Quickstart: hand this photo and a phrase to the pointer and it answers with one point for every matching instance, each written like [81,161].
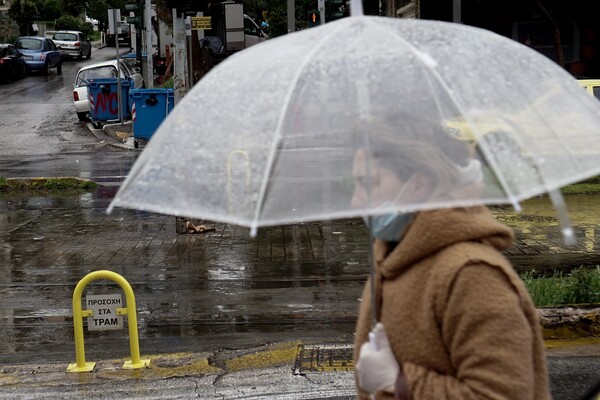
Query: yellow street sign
[201,23]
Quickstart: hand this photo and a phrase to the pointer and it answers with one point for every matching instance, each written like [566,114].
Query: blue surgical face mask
[389,227]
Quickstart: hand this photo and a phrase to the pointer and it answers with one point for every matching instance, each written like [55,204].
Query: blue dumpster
[104,104]
[149,107]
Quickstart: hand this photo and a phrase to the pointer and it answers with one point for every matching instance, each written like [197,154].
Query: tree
[97,9]
[23,12]
[73,7]
[50,10]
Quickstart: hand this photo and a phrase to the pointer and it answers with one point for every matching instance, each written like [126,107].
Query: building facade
[566,31]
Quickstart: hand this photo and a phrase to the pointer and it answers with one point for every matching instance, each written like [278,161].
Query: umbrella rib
[277,136]
[428,62]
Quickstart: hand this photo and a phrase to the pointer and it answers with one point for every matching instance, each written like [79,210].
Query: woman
[455,319]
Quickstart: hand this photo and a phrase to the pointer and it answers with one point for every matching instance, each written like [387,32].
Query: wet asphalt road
[41,135]
[193,292]
[204,300]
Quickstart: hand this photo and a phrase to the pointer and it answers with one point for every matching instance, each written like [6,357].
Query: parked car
[40,54]
[105,69]
[73,44]
[12,64]
[124,36]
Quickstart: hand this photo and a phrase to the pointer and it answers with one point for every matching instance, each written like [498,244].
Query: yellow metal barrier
[78,314]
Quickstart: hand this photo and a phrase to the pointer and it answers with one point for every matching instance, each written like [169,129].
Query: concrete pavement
[275,371]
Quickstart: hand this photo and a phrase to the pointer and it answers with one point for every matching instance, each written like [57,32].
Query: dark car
[40,54]
[124,36]
[12,64]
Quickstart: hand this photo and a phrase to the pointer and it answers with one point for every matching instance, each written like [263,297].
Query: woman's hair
[414,144]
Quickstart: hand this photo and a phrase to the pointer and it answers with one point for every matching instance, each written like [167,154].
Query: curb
[106,136]
[162,366]
[570,322]
[212,364]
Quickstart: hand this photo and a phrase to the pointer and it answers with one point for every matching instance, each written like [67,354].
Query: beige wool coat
[459,320]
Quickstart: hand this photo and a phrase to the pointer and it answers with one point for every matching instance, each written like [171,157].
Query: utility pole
[291,14]
[321,6]
[179,57]
[188,34]
[114,17]
[457,11]
[149,48]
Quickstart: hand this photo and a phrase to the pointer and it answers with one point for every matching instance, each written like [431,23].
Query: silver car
[73,44]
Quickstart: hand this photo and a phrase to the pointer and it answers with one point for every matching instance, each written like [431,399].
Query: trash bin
[149,107]
[104,104]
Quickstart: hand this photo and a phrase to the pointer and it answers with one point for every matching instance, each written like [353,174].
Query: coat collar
[432,231]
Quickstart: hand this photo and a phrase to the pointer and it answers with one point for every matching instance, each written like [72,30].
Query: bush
[87,28]
[95,36]
[584,286]
[580,286]
[167,84]
[67,22]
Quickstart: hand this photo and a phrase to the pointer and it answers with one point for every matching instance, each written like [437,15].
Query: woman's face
[382,186]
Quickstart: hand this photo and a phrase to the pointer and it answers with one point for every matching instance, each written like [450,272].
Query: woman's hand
[377,368]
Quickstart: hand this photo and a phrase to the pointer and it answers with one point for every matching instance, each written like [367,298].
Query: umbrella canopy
[270,135]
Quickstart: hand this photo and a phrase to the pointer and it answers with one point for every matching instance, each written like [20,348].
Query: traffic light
[314,18]
[335,9]
[138,10]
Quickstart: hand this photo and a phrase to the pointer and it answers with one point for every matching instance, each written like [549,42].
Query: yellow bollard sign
[104,312]
[101,311]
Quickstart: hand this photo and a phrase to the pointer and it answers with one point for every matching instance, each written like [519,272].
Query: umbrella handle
[372,276]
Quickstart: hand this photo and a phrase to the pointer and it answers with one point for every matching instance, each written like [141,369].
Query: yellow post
[81,365]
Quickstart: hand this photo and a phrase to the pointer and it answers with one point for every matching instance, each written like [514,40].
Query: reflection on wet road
[194,292]
[220,289]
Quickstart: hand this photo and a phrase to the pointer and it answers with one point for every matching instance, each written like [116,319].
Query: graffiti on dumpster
[107,101]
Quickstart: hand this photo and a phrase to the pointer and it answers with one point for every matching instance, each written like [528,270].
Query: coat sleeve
[488,337]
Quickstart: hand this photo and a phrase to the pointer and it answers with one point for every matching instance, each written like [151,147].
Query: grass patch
[46,184]
[589,186]
[581,286]
[581,188]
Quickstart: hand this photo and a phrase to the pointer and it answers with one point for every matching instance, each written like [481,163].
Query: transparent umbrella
[269,136]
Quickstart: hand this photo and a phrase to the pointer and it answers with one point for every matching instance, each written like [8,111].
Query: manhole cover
[324,358]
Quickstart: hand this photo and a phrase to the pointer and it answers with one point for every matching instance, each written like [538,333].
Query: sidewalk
[267,372]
